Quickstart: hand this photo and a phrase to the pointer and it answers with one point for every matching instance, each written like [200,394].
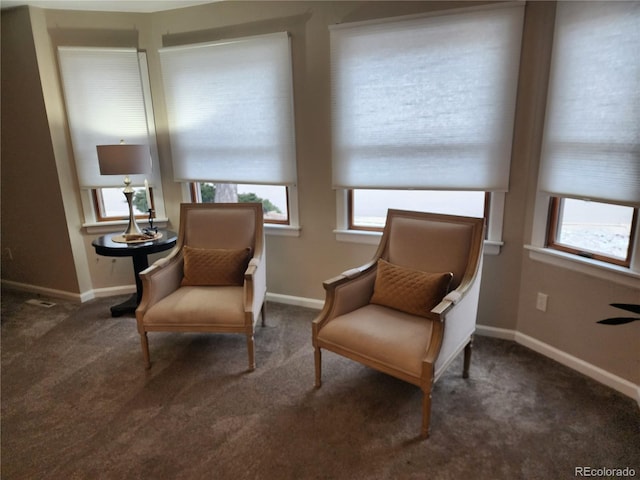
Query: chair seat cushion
[392,338]
[199,308]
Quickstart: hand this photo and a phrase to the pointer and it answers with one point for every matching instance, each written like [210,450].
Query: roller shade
[104,99]
[426,102]
[230,110]
[591,146]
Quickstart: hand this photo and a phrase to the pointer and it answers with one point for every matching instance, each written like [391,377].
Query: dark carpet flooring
[77,403]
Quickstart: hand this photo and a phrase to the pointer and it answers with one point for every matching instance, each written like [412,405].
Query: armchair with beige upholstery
[412,309]
[214,280]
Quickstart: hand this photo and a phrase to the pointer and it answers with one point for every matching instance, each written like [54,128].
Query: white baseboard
[47,292]
[113,291]
[494,332]
[297,301]
[71,296]
[610,380]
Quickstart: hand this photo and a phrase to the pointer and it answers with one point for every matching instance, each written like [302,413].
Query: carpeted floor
[77,403]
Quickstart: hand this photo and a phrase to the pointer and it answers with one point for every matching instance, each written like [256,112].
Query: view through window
[369,207]
[589,227]
[273,197]
[112,203]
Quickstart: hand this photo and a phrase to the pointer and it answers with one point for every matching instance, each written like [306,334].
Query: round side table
[105,246]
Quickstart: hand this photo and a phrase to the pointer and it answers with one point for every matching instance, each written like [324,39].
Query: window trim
[555,206]
[540,252]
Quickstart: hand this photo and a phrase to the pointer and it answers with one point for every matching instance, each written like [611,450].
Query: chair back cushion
[408,290]
[430,245]
[220,226]
[214,267]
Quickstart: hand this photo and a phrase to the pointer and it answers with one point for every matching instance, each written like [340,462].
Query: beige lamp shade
[123,159]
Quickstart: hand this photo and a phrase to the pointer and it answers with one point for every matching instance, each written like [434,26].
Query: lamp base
[133,230]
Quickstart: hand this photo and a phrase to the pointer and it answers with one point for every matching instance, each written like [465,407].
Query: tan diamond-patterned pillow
[408,290]
[214,267]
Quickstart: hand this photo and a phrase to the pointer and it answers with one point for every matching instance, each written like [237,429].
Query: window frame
[540,252]
[555,207]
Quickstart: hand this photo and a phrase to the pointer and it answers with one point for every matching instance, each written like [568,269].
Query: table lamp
[125,159]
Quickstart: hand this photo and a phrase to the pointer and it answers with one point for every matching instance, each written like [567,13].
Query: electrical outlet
[541,302]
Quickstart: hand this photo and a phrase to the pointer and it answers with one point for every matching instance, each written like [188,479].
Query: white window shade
[591,146]
[105,104]
[230,110]
[426,102]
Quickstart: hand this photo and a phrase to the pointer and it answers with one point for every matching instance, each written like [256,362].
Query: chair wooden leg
[145,350]
[263,312]
[426,414]
[467,358]
[318,362]
[250,350]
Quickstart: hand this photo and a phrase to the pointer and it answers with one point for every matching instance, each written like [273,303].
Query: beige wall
[35,240]
[298,265]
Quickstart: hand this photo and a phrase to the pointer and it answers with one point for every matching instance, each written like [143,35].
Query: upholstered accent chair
[412,309]
[213,281]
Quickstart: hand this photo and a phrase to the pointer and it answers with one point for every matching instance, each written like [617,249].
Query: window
[368,208]
[274,199]
[425,104]
[230,111]
[111,204]
[602,231]
[590,167]
[108,99]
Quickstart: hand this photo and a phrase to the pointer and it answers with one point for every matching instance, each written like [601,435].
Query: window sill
[281,230]
[587,266]
[491,247]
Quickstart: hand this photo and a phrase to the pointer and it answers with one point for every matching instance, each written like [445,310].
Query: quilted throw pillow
[408,290]
[214,267]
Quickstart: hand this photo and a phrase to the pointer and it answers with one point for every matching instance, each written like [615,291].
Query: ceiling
[141,6]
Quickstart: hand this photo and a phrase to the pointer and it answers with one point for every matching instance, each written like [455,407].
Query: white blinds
[105,104]
[230,110]
[591,146]
[426,102]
